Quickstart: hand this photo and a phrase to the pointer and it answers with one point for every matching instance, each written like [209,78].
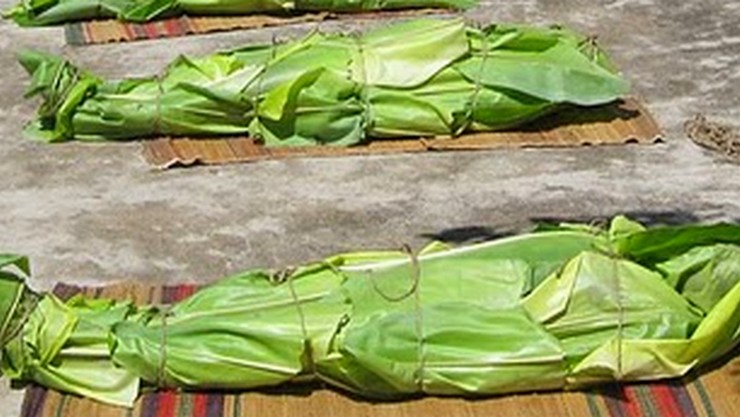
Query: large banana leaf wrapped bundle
[425,77]
[49,12]
[553,309]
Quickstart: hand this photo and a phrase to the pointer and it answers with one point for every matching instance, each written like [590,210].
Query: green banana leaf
[547,310]
[12,290]
[50,12]
[425,77]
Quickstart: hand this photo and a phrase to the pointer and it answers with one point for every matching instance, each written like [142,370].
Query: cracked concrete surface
[94,214]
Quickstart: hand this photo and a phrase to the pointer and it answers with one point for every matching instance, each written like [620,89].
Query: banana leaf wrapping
[425,77]
[553,309]
[50,12]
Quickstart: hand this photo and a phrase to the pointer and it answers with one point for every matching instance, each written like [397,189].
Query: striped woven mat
[111,30]
[619,123]
[713,394]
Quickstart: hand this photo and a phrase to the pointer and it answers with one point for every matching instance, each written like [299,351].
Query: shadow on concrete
[467,234]
[479,233]
[648,218]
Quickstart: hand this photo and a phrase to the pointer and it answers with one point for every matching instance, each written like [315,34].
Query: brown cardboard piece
[623,122]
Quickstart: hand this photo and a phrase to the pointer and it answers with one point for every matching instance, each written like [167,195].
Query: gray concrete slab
[96,213]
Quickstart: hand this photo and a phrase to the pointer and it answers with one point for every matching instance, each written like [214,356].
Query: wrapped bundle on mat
[50,12]
[424,78]
[554,309]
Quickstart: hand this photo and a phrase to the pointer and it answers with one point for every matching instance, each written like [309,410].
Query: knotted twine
[620,307]
[166,311]
[360,77]
[286,276]
[255,99]
[157,123]
[472,103]
[415,275]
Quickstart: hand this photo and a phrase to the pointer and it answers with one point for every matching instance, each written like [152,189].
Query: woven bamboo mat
[111,30]
[616,124]
[713,394]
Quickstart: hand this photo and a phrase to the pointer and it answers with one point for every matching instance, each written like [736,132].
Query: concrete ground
[94,214]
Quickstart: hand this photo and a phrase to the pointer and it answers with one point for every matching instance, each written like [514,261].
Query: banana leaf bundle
[50,12]
[425,77]
[559,308]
